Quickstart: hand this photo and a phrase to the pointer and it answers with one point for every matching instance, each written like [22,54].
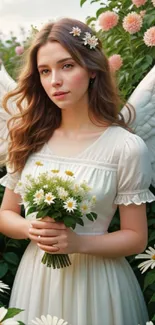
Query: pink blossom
[19,50]
[108,20]
[115,62]
[139,3]
[149,37]
[142,13]
[153,2]
[132,23]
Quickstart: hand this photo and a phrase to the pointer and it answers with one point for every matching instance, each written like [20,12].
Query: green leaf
[31,210]
[3,269]
[11,258]
[80,222]
[152,298]
[82,2]
[12,312]
[43,213]
[149,279]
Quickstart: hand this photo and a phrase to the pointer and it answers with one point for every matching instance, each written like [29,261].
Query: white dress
[93,290]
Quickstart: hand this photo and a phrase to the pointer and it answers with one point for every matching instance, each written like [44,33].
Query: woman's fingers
[42,224]
[44,232]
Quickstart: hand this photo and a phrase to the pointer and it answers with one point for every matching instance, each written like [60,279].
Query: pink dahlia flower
[108,20]
[19,50]
[139,3]
[132,23]
[149,37]
[142,13]
[153,2]
[115,62]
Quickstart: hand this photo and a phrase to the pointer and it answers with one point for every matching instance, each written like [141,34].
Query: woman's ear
[92,75]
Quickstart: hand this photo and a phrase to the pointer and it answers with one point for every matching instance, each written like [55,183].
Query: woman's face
[65,81]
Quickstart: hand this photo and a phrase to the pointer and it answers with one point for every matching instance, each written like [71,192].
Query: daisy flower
[49,198]
[76,31]
[9,321]
[3,286]
[150,257]
[85,207]
[38,196]
[70,205]
[49,320]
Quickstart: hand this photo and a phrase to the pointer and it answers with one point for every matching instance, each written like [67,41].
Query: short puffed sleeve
[10,179]
[134,173]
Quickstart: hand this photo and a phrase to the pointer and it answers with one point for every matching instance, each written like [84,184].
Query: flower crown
[89,39]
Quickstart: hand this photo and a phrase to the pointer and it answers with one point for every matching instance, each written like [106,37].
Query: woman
[70,121]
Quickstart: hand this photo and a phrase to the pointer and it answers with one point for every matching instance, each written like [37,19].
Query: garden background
[127,31]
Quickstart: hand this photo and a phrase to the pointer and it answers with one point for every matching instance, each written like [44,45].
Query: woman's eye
[67,66]
[45,71]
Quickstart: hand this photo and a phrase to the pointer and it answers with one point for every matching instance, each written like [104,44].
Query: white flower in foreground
[38,196]
[70,205]
[49,320]
[85,207]
[3,286]
[49,198]
[150,256]
[149,323]
[9,321]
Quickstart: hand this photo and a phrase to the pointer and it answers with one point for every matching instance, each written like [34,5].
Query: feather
[143,100]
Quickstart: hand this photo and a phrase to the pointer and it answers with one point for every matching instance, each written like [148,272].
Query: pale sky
[16,13]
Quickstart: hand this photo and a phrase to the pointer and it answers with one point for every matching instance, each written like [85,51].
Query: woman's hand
[54,237]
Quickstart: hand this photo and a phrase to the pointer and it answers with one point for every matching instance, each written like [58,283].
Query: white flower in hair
[76,31]
[90,40]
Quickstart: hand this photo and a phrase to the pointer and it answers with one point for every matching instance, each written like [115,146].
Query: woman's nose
[56,80]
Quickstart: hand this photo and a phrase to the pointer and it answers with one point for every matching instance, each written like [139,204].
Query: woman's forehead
[52,52]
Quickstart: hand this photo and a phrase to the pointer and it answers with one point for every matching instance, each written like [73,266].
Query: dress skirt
[92,291]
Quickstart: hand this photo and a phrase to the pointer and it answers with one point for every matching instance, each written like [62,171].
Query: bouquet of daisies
[60,197]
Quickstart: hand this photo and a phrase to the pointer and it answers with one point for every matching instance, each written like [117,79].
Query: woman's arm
[12,224]
[130,239]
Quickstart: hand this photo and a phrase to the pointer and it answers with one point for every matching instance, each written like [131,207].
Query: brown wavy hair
[38,116]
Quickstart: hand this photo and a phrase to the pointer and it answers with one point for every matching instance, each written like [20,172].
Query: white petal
[145,256]
[3,312]
[152,250]
[37,322]
[153,265]
[55,320]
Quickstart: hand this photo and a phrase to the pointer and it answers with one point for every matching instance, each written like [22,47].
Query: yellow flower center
[48,197]
[69,173]
[84,207]
[153,257]
[38,195]
[39,163]
[70,204]
[55,171]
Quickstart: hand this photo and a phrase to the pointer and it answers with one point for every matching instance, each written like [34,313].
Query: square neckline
[83,151]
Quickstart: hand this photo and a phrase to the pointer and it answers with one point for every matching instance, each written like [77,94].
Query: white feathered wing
[143,100]
[6,84]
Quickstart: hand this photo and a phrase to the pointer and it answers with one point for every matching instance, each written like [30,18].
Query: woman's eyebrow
[60,61]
